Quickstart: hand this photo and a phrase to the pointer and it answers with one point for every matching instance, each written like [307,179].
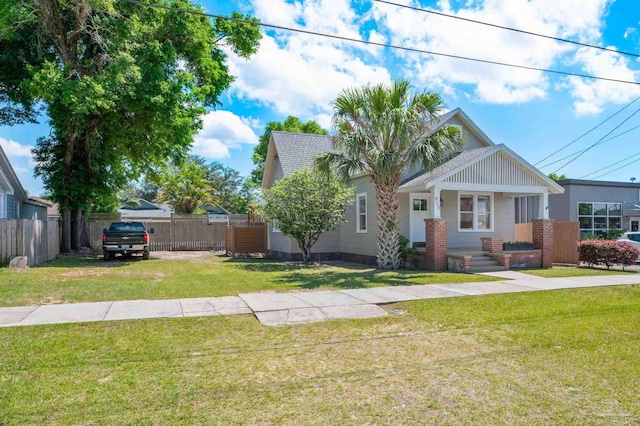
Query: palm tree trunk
[388,232]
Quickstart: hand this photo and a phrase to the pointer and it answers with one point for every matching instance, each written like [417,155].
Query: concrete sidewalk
[294,307]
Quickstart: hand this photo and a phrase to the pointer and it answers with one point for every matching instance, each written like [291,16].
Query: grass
[73,279]
[557,357]
[573,271]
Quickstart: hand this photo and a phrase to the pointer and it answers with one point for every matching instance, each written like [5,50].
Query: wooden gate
[566,236]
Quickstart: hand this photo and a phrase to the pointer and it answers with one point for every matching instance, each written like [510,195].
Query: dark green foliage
[290,124]
[404,249]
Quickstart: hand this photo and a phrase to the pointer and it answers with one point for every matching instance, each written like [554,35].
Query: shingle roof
[297,150]
[457,161]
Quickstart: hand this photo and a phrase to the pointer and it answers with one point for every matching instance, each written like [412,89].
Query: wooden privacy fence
[524,232]
[39,240]
[246,239]
[566,236]
[181,232]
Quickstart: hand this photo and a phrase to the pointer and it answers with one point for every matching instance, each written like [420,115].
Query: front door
[418,213]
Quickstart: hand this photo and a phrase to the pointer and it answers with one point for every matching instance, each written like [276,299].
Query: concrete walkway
[295,307]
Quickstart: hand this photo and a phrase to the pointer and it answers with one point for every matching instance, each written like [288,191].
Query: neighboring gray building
[598,206]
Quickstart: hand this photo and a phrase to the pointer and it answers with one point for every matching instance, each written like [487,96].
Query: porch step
[482,262]
[492,268]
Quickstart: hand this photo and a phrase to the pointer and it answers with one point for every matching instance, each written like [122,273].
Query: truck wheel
[145,255]
[106,255]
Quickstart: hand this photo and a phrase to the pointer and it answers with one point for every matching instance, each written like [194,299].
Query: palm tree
[380,131]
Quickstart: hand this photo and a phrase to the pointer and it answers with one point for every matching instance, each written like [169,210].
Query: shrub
[607,252]
[404,249]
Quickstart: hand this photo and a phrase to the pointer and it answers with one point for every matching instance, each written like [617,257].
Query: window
[419,205]
[361,212]
[475,212]
[17,209]
[3,213]
[598,218]
[274,226]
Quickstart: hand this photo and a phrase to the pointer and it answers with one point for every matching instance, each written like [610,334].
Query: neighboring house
[145,210]
[216,212]
[14,202]
[53,211]
[457,209]
[599,206]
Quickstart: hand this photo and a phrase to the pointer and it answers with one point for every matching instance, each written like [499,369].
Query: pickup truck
[125,238]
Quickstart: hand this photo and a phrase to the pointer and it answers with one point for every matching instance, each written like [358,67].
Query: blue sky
[531,112]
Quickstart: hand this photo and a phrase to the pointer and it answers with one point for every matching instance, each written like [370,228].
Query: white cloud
[591,96]
[221,131]
[15,149]
[301,74]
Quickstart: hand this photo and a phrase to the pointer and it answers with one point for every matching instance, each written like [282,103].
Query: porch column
[543,206]
[436,244]
[434,204]
[543,240]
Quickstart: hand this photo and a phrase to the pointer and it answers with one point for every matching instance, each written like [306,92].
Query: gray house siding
[364,243]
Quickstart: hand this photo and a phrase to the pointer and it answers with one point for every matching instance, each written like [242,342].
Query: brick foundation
[543,240]
[492,245]
[459,263]
[436,244]
[525,259]
[416,262]
[346,257]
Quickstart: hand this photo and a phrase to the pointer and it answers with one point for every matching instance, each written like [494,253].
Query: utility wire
[563,40]
[615,170]
[583,150]
[373,43]
[611,165]
[589,131]
[597,142]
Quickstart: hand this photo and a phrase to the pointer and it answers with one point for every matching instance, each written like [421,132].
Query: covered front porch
[459,217]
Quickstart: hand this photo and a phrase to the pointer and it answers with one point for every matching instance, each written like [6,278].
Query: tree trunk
[306,251]
[66,230]
[388,233]
[77,230]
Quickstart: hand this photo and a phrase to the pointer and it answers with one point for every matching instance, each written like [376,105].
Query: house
[599,206]
[14,201]
[216,212]
[458,214]
[144,209]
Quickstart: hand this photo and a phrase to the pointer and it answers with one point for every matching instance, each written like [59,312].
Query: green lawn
[73,279]
[558,357]
[572,271]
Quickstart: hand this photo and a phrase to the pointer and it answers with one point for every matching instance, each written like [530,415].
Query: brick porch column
[436,244]
[543,240]
[492,245]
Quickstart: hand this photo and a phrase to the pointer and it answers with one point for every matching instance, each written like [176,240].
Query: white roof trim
[554,188]
[467,121]
[4,181]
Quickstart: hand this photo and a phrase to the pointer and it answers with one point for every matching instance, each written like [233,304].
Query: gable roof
[9,178]
[467,158]
[297,150]
[464,118]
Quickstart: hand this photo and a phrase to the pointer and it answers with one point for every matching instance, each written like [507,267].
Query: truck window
[634,237]
[127,226]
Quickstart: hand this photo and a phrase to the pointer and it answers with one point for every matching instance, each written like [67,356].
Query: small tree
[305,204]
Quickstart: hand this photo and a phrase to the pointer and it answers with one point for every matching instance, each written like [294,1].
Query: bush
[608,253]
[404,249]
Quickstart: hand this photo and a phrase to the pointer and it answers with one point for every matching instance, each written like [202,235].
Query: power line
[597,142]
[585,134]
[615,170]
[390,46]
[583,150]
[610,165]
[563,40]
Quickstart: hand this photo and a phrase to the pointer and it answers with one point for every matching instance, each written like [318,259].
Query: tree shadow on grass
[76,261]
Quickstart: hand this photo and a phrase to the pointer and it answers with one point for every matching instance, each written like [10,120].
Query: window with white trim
[274,226]
[17,210]
[475,212]
[3,210]
[361,212]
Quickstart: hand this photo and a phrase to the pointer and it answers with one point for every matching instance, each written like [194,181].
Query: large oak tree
[123,86]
